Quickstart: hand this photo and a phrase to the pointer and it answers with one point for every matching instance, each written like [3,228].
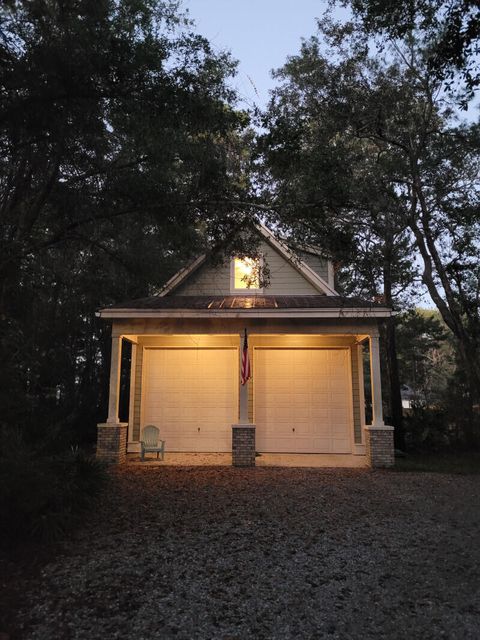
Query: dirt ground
[218,552]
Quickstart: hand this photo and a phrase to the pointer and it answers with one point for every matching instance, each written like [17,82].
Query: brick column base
[379,446]
[243,445]
[112,442]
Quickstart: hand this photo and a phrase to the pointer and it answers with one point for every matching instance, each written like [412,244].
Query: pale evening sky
[260,34]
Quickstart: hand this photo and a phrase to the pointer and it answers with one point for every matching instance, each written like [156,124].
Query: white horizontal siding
[284,278]
[317,263]
[206,281]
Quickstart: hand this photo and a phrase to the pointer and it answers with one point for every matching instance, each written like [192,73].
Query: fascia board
[245,313]
[302,267]
[182,275]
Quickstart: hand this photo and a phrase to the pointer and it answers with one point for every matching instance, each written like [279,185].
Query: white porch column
[114,392]
[361,386]
[378,436]
[112,435]
[131,404]
[376,381]
[358,389]
[243,404]
[243,433]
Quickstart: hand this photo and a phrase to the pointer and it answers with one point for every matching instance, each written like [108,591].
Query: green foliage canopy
[450,30]
[363,145]
[121,154]
[109,109]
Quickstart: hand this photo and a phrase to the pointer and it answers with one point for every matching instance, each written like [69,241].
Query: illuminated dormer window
[245,275]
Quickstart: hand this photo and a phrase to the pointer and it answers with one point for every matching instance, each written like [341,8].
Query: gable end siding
[318,264]
[206,281]
[284,278]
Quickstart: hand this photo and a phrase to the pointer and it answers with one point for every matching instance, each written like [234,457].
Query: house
[408,396]
[306,346]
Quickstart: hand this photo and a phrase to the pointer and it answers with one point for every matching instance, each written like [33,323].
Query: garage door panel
[189,429]
[188,400]
[339,414]
[302,431]
[283,429]
[171,399]
[188,414]
[281,415]
[282,385]
[301,382]
[303,400]
[320,383]
[283,373]
[283,443]
[320,413]
[213,415]
[212,403]
[191,395]
[278,400]
[171,414]
[341,446]
[318,444]
[272,400]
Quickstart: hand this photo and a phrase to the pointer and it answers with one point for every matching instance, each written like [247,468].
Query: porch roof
[246,304]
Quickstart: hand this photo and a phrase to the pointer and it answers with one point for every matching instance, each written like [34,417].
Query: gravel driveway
[267,553]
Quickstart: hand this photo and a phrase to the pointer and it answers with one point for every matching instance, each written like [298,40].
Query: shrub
[426,429]
[43,495]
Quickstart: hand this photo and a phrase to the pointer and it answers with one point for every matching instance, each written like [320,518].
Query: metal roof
[256,302]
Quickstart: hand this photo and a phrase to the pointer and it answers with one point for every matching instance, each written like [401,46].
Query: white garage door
[303,400]
[191,395]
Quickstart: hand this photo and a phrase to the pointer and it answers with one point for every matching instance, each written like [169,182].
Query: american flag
[246,373]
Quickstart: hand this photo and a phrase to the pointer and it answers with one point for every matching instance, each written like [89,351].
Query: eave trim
[246,313]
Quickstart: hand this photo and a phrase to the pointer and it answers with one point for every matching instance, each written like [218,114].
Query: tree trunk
[396,409]
[451,306]
[471,411]
[466,338]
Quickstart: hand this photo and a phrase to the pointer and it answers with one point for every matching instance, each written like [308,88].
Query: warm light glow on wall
[246,273]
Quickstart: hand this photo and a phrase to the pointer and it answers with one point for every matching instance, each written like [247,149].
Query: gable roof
[299,265]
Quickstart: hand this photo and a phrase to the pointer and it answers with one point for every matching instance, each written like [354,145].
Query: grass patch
[459,463]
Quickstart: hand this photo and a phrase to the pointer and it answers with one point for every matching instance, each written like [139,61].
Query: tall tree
[450,30]
[109,109]
[425,357]
[322,196]
[119,136]
[353,138]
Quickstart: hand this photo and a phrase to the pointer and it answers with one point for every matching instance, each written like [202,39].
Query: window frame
[246,290]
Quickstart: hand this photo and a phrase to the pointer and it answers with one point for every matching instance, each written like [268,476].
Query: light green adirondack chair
[150,442]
